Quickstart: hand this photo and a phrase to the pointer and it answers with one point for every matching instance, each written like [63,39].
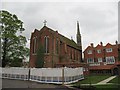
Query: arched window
[34,44]
[74,54]
[57,48]
[71,53]
[46,44]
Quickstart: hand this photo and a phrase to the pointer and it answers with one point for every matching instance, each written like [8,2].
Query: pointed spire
[78,35]
[78,30]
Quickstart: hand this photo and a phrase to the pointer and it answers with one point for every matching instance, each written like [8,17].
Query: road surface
[29,85]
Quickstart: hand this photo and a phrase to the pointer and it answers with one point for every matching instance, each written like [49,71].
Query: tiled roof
[64,39]
[68,41]
[102,47]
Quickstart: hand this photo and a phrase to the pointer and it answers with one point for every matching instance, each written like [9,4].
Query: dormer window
[109,50]
[98,51]
[89,51]
[57,47]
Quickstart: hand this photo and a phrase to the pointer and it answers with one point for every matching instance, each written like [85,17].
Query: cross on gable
[45,22]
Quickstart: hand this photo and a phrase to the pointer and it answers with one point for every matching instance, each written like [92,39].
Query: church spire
[78,36]
[78,31]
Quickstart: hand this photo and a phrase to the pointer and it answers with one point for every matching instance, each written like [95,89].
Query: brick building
[103,59]
[58,48]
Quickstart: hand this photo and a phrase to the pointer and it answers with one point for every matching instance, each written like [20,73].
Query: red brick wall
[53,57]
[103,53]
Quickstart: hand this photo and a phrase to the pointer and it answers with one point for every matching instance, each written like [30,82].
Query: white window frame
[89,51]
[98,51]
[100,60]
[110,60]
[109,50]
[88,60]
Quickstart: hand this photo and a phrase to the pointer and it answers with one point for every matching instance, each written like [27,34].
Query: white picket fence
[44,75]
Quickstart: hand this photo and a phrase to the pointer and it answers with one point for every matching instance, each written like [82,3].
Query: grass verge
[116,80]
[92,79]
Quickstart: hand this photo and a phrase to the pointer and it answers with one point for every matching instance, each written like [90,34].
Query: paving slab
[106,80]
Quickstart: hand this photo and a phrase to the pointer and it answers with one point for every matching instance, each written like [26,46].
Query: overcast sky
[98,20]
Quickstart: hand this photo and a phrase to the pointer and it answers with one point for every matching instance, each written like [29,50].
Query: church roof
[69,42]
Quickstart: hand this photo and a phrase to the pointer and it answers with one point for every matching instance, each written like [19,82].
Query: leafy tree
[13,45]
[40,57]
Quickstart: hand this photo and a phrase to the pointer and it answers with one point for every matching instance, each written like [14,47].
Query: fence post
[63,75]
[29,74]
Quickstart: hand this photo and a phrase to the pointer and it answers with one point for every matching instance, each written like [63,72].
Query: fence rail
[44,75]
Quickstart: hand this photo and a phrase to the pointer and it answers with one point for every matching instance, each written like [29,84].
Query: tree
[40,57]
[14,48]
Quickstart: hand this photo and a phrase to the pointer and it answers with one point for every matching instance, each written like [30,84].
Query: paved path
[99,83]
[106,80]
[29,85]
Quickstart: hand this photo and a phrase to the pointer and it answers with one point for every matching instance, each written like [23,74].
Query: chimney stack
[92,45]
[116,42]
[101,43]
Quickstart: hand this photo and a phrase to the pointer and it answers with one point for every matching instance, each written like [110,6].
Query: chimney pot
[92,45]
[101,43]
[116,42]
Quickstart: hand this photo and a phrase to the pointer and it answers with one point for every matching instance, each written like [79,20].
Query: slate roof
[69,42]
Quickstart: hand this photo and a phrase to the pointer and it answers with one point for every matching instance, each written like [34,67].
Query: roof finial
[71,38]
[45,22]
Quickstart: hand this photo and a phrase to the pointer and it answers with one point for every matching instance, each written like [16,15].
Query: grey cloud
[96,19]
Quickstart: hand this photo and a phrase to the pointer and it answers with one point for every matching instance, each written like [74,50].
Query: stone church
[59,50]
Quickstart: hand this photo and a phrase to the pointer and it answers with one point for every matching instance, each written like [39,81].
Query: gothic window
[57,47]
[74,54]
[78,56]
[34,44]
[70,53]
[46,44]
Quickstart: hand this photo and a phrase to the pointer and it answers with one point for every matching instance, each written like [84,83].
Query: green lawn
[92,79]
[115,80]
[96,79]
[106,86]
